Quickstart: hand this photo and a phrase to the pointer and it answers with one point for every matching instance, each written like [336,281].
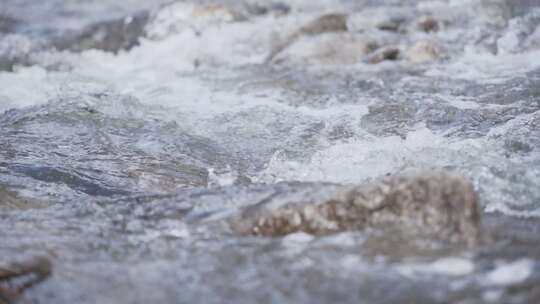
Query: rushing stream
[133,132]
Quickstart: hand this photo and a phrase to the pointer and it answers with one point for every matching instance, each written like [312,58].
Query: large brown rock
[436,204]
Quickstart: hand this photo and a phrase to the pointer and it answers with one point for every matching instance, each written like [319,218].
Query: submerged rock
[90,130]
[20,48]
[16,277]
[274,8]
[10,200]
[328,23]
[382,54]
[325,23]
[112,36]
[391,25]
[437,204]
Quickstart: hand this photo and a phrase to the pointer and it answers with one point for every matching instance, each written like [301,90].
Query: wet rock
[329,48]
[382,54]
[324,24]
[423,51]
[509,92]
[152,169]
[16,277]
[428,24]
[9,199]
[242,180]
[438,204]
[276,8]
[112,36]
[516,146]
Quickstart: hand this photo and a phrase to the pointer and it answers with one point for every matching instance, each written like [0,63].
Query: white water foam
[511,273]
[363,159]
[451,266]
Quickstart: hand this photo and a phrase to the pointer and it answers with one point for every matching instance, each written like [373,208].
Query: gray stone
[111,36]
[328,23]
[382,54]
[277,8]
[391,25]
[436,204]
[10,200]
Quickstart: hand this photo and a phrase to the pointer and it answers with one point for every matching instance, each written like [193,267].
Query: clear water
[131,161]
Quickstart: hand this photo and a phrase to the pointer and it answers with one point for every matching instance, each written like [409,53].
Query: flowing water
[131,131]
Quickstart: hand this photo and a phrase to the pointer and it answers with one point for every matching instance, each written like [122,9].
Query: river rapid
[131,132]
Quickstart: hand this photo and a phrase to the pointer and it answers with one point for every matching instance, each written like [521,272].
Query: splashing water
[130,130]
